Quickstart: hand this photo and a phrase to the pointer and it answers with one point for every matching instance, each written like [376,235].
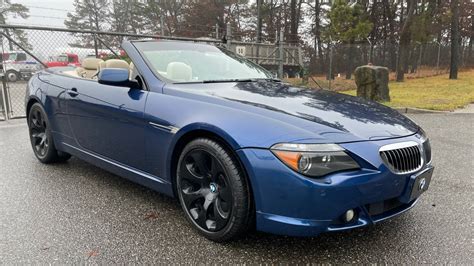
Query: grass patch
[338,84]
[434,93]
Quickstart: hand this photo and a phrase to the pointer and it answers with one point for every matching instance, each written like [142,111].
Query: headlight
[423,135]
[426,146]
[314,160]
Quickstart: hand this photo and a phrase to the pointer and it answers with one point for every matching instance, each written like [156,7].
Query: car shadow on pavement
[159,212]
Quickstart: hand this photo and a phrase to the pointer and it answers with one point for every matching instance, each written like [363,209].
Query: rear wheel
[41,137]
[213,191]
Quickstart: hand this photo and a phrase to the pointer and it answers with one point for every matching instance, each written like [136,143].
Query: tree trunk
[455,39]
[317,36]
[259,21]
[350,59]
[392,44]
[293,22]
[469,57]
[405,39]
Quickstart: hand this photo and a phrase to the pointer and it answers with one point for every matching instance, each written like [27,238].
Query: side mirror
[115,77]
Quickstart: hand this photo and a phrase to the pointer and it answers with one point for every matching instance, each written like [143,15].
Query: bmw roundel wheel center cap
[213,187]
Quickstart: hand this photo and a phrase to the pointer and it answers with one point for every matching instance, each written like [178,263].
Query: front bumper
[288,203]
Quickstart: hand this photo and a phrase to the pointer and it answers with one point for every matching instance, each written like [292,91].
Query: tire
[213,191]
[41,138]
[13,76]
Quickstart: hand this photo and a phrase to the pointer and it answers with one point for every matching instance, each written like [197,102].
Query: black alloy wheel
[213,191]
[41,137]
[204,190]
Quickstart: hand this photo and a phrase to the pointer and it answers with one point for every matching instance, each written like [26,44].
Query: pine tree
[164,17]
[88,15]
[348,24]
[16,10]
[127,17]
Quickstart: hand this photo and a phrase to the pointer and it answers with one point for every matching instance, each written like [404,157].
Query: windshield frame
[220,47]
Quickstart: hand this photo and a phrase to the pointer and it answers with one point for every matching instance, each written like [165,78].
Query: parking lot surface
[77,213]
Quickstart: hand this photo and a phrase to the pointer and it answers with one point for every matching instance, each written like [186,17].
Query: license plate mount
[419,183]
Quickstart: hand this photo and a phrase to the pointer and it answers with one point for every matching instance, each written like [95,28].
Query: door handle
[72,92]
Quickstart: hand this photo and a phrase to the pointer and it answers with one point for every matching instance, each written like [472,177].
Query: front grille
[402,158]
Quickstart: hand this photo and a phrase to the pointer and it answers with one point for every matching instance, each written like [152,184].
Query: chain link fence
[26,50]
[333,64]
[2,105]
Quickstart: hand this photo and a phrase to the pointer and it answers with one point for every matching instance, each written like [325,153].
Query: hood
[323,112]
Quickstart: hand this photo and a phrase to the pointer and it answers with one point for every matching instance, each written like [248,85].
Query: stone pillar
[372,83]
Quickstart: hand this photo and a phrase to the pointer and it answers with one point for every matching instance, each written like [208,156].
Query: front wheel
[13,76]
[213,191]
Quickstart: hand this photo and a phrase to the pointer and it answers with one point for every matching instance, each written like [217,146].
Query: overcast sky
[44,12]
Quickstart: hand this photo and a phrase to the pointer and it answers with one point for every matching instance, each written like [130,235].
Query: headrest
[179,71]
[91,63]
[116,63]
[102,65]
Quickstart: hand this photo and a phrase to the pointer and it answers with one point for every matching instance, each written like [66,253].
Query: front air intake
[402,158]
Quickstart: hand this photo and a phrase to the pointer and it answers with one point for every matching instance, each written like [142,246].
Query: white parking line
[8,125]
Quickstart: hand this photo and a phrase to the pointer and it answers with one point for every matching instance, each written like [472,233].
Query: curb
[410,110]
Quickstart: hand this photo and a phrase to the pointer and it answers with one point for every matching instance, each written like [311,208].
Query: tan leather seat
[117,63]
[89,67]
[179,72]
[133,71]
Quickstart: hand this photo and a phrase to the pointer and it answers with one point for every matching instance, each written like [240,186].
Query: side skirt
[153,182]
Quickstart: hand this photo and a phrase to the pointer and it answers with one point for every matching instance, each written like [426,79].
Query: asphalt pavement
[77,213]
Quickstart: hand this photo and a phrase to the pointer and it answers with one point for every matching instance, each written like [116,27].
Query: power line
[49,8]
[39,16]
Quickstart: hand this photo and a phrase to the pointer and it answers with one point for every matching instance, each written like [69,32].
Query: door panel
[108,120]
[55,105]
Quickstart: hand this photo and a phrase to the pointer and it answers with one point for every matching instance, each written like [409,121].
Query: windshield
[62,58]
[14,56]
[192,62]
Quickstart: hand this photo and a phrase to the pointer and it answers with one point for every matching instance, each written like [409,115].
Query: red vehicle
[66,59]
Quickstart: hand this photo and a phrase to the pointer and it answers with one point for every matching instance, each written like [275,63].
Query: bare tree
[17,10]
[405,39]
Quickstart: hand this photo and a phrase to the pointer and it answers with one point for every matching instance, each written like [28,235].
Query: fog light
[349,215]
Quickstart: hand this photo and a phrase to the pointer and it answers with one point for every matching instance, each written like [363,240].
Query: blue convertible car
[238,148]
